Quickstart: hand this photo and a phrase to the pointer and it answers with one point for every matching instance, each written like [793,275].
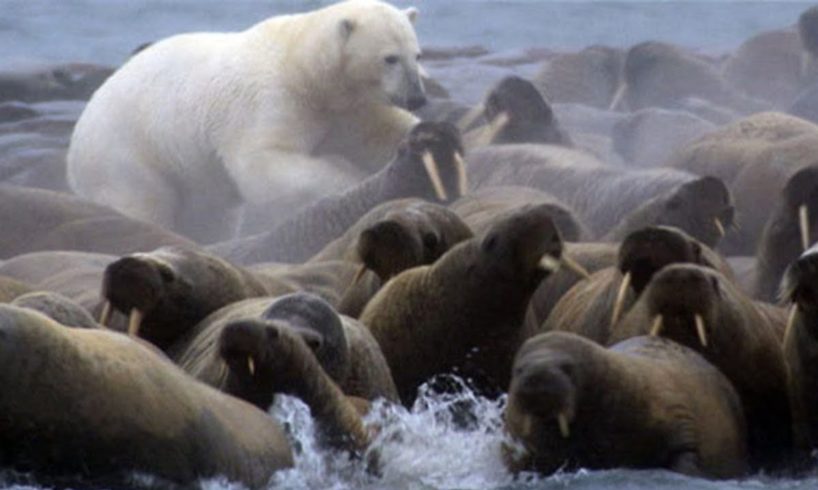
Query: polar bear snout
[413,95]
[417,96]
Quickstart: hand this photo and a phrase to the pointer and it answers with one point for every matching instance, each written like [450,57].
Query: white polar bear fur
[195,124]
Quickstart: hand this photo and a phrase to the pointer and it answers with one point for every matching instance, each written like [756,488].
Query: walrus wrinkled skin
[644,403]
[592,307]
[466,310]
[699,308]
[95,403]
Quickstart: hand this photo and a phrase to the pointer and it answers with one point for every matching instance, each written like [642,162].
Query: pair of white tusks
[656,328]
[134,319]
[434,175]
[562,421]
[551,263]
[803,224]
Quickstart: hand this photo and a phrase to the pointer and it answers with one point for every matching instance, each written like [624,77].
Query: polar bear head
[380,51]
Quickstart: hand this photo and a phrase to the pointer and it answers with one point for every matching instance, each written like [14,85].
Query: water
[106,31]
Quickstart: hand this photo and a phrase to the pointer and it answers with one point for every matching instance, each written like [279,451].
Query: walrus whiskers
[565,429]
[656,327]
[719,227]
[134,322]
[105,316]
[434,175]
[803,225]
[575,266]
[620,298]
[462,178]
[700,330]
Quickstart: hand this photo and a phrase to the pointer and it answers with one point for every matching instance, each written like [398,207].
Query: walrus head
[266,357]
[408,238]
[646,251]
[168,291]
[683,304]
[429,164]
[517,112]
[703,208]
[800,283]
[547,381]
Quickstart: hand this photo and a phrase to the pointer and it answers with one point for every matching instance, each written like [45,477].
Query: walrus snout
[387,248]
[800,283]
[703,208]
[437,146]
[544,390]
[134,283]
[241,344]
[680,289]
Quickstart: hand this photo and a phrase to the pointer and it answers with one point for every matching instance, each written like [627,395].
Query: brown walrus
[791,229]
[95,403]
[698,307]
[592,307]
[57,307]
[346,351]
[801,346]
[643,403]
[465,311]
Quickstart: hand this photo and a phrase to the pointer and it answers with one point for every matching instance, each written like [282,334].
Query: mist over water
[106,31]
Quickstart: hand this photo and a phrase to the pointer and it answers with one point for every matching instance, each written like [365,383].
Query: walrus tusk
[251,366]
[359,274]
[803,224]
[565,429]
[495,126]
[656,327]
[719,227]
[434,175]
[462,178]
[550,263]
[105,316]
[618,97]
[134,322]
[620,298]
[702,333]
[575,266]
[790,324]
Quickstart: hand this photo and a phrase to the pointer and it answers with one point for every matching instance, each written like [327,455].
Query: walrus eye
[391,59]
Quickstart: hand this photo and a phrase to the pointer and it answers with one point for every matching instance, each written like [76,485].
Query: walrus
[657,74]
[57,307]
[591,308]
[808,34]
[698,307]
[514,111]
[97,404]
[465,310]
[604,195]
[483,207]
[589,77]
[754,156]
[791,229]
[38,219]
[801,346]
[428,164]
[643,403]
[348,354]
[11,288]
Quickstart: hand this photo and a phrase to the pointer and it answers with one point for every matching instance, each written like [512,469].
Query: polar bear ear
[412,13]
[345,27]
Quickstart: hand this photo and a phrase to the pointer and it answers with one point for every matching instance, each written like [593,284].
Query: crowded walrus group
[621,245]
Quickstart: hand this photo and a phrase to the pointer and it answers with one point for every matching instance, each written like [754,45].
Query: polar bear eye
[391,59]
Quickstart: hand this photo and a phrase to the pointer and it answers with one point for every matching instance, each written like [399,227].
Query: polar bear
[196,124]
